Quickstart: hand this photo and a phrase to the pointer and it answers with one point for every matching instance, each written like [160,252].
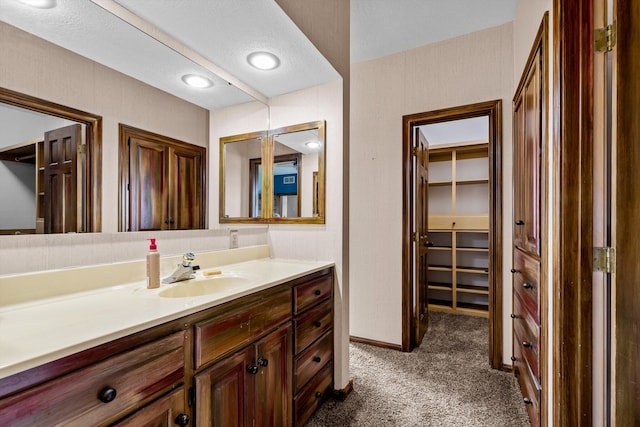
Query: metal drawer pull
[318,394]
[317,292]
[252,369]
[514,316]
[107,394]
[519,222]
[527,401]
[316,359]
[513,358]
[527,344]
[514,271]
[182,420]
[262,362]
[317,324]
[527,285]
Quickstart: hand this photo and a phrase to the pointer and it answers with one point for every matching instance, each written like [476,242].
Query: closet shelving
[458,259]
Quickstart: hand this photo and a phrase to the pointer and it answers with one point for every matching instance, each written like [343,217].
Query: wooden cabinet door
[225,392]
[148,189]
[164,412]
[273,389]
[528,135]
[185,178]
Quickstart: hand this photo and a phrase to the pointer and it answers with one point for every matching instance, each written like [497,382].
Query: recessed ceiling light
[41,4]
[314,145]
[195,80]
[263,60]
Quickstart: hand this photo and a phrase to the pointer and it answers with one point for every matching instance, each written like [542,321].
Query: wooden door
[166,411]
[626,289]
[273,390]
[225,392]
[61,180]
[148,188]
[185,180]
[421,239]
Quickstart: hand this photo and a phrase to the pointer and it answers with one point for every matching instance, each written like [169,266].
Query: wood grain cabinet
[529,124]
[102,392]
[265,359]
[313,343]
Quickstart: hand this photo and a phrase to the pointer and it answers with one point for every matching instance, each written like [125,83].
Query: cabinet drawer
[526,281]
[528,343]
[309,362]
[232,329]
[312,396]
[529,386]
[97,394]
[309,294]
[312,324]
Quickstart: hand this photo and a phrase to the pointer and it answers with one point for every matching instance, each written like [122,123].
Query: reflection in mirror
[298,173]
[241,172]
[46,153]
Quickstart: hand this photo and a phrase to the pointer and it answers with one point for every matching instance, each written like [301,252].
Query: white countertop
[45,330]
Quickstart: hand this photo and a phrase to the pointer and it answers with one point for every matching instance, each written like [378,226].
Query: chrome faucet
[184,271]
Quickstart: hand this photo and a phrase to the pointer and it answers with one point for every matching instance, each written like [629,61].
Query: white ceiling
[383,27]
[223,32]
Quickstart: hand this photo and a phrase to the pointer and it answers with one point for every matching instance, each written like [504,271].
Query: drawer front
[310,361]
[312,324]
[528,343]
[312,396]
[309,294]
[529,386]
[75,399]
[231,330]
[526,281]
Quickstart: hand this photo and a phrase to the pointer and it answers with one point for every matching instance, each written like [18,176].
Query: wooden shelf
[466,288]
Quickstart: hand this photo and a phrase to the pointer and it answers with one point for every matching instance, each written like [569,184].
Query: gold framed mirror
[275,176]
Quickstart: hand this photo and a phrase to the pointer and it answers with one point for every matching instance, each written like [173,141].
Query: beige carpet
[445,382]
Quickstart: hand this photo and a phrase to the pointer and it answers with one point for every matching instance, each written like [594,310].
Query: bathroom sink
[197,288]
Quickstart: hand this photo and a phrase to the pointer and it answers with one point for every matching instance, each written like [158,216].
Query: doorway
[413,316]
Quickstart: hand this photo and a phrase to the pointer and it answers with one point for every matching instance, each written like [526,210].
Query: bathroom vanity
[256,351]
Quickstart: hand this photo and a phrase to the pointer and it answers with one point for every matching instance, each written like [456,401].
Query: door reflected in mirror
[242,170]
[47,169]
[285,164]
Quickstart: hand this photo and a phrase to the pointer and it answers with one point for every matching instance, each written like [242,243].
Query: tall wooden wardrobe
[529,124]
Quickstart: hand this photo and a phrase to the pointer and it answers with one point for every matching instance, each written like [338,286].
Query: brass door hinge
[605,38]
[82,149]
[604,259]
[414,151]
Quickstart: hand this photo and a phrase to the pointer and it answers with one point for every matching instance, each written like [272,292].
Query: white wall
[18,192]
[472,68]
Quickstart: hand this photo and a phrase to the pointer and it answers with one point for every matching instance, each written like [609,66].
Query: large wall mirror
[276,176]
[49,167]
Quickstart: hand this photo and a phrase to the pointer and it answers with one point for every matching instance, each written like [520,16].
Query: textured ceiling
[224,32]
[383,27]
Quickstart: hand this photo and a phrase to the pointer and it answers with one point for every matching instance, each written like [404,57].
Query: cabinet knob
[514,271]
[527,285]
[107,394]
[318,394]
[527,344]
[316,359]
[182,420]
[514,316]
[513,358]
[317,324]
[317,292]
[252,369]
[519,222]
[262,362]
[527,401]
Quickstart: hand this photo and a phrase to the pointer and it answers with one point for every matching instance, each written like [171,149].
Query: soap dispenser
[153,266]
